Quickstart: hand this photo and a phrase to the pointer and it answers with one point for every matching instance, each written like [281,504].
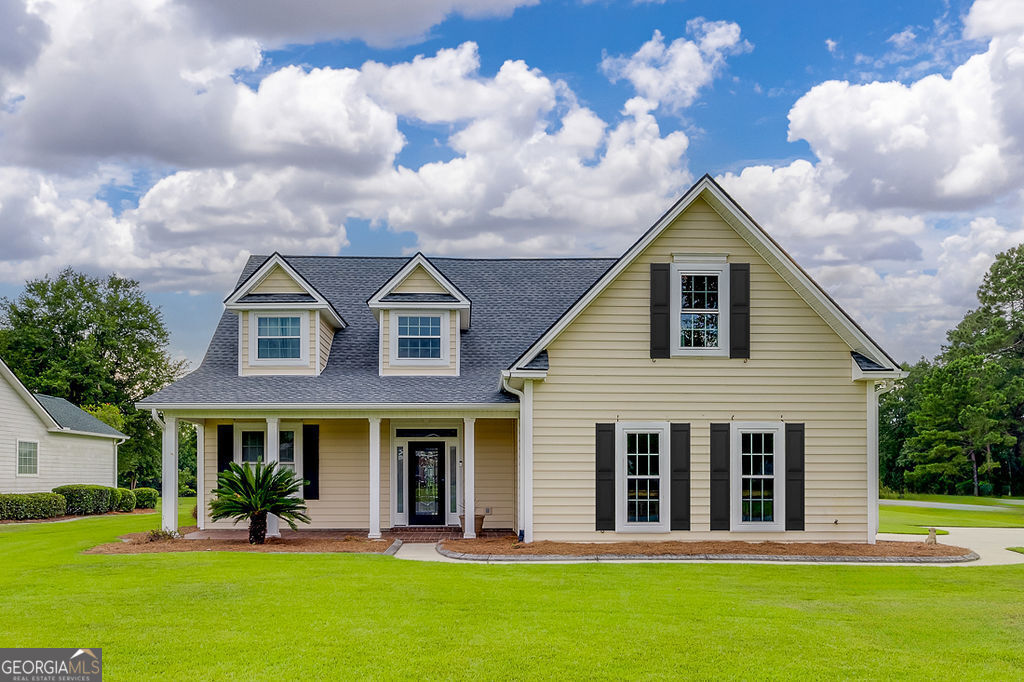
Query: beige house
[700,386]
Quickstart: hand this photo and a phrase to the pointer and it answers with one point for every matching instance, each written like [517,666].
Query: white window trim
[664,467]
[303,359]
[248,426]
[297,428]
[17,457]
[712,266]
[443,361]
[736,472]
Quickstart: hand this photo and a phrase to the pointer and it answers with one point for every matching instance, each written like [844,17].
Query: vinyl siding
[344,475]
[278,281]
[245,369]
[601,371]
[495,471]
[62,458]
[419,281]
[452,369]
[326,341]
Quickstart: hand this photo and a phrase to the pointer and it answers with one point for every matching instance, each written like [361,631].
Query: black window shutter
[661,297]
[680,445]
[720,502]
[739,310]
[225,446]
[794,476]
[604,492]
[311,461]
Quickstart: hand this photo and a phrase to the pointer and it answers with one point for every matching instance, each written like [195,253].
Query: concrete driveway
[988,543]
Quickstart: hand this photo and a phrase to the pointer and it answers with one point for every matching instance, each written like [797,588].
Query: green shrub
[18,506]
[145,498]
[115,498]
[86,499]
[127,501]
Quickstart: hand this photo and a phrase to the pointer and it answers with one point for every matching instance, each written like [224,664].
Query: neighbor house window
[419,336]
[642,465]
[279,338]
[28,458]
[700,320]
[758,455]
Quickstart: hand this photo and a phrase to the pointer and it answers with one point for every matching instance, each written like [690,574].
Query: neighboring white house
[46,442]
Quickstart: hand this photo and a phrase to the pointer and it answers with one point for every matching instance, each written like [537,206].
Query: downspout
[876,389]
[156,417]
[526,456]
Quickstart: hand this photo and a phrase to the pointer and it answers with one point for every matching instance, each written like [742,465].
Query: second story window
[419,337]
[279,338]
[699,312]
[700,308]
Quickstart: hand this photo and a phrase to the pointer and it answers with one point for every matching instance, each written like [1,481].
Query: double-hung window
[700,319]
[419,337]
[28,458]
[279,338]
[642,467]
[757,486]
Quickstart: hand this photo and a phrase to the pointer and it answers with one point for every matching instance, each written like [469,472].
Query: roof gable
[276,283]
[711,192]
[27,396]
[57,414]
[419,283]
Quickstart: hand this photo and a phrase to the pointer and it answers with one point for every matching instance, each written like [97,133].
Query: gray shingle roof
[70,417]
[514,302]
[866,364]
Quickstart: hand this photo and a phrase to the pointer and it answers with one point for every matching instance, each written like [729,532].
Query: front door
[426,474]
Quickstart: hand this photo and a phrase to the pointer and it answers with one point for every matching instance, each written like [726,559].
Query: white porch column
[200,470]
[374,477]
[469,474]
[273,456]
[169,475]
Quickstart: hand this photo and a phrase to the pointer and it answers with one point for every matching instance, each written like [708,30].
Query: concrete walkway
[945,505]
[988,543]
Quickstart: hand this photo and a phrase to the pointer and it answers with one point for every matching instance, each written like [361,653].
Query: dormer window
[279,338]
[421,337]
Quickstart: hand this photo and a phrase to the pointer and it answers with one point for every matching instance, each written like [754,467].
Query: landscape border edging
[805,558]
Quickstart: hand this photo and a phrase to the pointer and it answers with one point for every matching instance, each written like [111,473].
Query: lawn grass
[1018,550]
[958,499]
[238,616]
[898,519]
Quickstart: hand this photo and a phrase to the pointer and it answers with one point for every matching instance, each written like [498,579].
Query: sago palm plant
[251,491]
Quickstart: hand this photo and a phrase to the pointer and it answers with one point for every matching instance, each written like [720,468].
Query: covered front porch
[370,475]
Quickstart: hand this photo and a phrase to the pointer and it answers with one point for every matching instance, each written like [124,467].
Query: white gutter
[301,407]
[156,418]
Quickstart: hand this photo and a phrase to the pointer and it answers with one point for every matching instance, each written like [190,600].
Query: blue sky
[168,140]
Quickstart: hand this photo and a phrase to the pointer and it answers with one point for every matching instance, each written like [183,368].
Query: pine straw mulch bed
[75,517]
[139,543]
[508,547]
